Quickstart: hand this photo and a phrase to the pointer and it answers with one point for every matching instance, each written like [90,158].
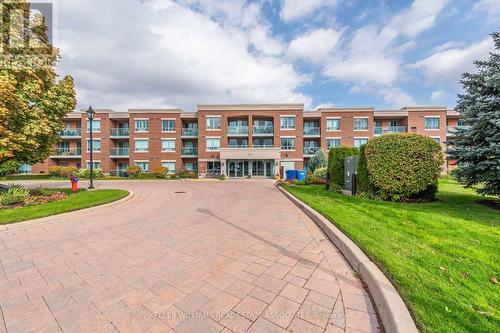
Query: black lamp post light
[90,116]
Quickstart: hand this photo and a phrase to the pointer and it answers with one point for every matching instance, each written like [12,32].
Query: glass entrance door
[237,169]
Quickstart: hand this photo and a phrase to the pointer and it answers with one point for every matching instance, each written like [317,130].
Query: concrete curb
[393,312]
[21,224]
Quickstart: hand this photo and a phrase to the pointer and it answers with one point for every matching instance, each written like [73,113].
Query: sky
[344,53]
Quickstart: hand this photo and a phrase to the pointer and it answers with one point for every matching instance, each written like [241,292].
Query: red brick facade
[117,151]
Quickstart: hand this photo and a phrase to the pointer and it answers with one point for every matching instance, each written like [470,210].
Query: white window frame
[359,138]
[87,164]
[135,145]
[168,119]
[334,118]
[141,119]
[367,124]
[170,171]
[288,137]
[168,151]
[142,161]
[288,128]
[93,148]
[432,117]
[337,138]
[98,120]
[213,129]
[436,137]
[212,138]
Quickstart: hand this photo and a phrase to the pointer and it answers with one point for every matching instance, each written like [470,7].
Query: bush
[298,182]
[320,173]
[362,179]
[222,177]
[335,170]
[313,180]
[317,161]
[14,195]
[161,172]
[55,171]
[186,174]
[133,171]
[69,171]
[403,166]
[85,173]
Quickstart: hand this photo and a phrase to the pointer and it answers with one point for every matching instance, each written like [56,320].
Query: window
[287,122]
[141,145]
[96,145]
[287,143]
[25,168]
[360,124]
[332,143]
[213,144]
[437,139]
[333,124]
[213,168]
[143,165]
[141,125]
[213,123]
[96,125]
[168,125]
[191,166]
[358,142]
[169,165]
[95,165]
[263,143]
[432,123]
[168,145]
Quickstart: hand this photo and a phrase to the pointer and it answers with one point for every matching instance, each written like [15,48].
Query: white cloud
[172,55]
[292,10]
[419,17]
[314,45]
[447,66]
[489,7]
[438,96]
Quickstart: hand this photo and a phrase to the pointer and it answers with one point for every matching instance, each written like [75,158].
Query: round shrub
[55,171]
[161,172]
[85,173]
[320,173]
[68,171]
[403,166]
[133,171]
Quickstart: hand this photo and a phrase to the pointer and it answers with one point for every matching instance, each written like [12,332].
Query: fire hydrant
[74,184]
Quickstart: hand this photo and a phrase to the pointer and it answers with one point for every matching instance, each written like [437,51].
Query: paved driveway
[190,256]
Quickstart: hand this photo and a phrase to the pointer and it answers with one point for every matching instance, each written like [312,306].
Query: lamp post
[90,116]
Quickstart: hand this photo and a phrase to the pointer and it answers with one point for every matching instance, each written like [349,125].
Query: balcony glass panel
[119,132]
[238,130]
[312,131]
[119,151]
[190,131]
[71,132]
[67,152]
[263,130]
[311,150]
[189,151]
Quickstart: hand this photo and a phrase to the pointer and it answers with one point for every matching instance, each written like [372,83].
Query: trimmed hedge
[335,170]
[403,166]
[362,178]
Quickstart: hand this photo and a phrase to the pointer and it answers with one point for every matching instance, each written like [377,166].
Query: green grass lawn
[440,256]
[76,201]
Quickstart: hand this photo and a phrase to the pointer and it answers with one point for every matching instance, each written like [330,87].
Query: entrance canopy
[250,153]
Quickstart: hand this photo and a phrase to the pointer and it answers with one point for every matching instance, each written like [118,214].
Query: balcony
[67,153]
[71,133]
[312,131]
[189,152]
[379,130]
[119,152]
[237,130]
[310,151]
[263,131]
[189,132]
[118,173]
[119,132]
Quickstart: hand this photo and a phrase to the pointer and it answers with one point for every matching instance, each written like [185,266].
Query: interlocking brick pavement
[231,256]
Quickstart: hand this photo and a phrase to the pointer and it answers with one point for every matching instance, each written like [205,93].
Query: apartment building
[261,140]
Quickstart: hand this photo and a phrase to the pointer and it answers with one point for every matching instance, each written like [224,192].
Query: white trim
[168,118]
[361,117]
[212,137]
[88,161]
[288,136]
[333,118]
[147,139]
[288,116]
[214,116]
[140,119]
[361,137]
[432,117]
[171,161]
[94,139]
[334,137]
[142,161]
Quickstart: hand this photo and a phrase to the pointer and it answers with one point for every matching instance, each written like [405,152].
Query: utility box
[350,171]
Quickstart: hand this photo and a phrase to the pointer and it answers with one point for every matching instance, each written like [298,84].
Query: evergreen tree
[33,103]
[477,146]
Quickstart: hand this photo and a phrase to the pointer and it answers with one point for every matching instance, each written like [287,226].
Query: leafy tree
[318,160]
[477,146]
[33,103]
